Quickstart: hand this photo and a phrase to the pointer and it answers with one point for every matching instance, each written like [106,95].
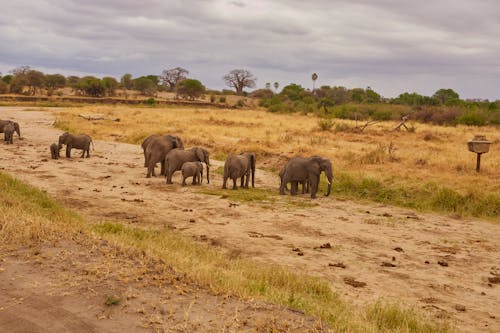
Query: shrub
[150,101]
[325,124]
[3,87]
[222,99]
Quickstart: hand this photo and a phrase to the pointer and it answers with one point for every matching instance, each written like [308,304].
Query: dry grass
[29,217]
[429,154]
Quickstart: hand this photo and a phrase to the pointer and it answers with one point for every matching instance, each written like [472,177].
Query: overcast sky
[392,46]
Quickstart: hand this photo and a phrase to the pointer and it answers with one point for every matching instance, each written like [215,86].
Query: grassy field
[28,217]
[428,168]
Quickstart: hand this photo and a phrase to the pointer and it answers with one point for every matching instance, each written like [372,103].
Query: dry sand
[394,251]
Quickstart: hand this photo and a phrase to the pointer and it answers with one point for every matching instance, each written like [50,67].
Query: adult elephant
[16,126]
[156,148]
[81,141]
[176,157]
[239,166]
[301,169]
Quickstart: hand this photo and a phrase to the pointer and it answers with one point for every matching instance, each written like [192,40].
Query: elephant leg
[294,188]
[88,151]
[169,176]
[183,181]
[162,169]
[224,182]
[314,180]
[247,177]
[282,187]
[242,181]
[234,184]
[68,151]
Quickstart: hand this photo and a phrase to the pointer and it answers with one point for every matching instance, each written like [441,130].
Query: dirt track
[369,239]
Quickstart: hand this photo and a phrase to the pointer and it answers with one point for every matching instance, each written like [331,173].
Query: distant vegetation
[444,107]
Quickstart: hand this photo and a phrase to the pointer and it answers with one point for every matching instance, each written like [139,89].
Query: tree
[314,77]
[145,85]
[446,96]
[126,81]
[7,78]
[171,77]
[239,79]
[3,87]
[190,88]
[293,91]
[54,81]
[268,85]
[276,86]
[110,84]
[90,86]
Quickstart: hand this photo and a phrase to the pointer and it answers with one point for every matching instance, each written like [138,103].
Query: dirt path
[394,251]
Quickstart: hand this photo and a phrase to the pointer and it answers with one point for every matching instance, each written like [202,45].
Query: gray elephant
[81,141]
[300,169]
[305,184]
[9,133]
[55,151]
[177,157]
[156,149]
[16,126]
[239,166]
[192,169]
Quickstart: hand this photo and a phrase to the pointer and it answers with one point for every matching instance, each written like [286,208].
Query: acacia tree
[190,88]
[126,81]
[239,79]
[171,77]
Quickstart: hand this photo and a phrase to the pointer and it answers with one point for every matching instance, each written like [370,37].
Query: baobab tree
[171,77]
[239,79]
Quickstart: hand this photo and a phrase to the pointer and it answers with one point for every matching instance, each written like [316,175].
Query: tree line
[28,81]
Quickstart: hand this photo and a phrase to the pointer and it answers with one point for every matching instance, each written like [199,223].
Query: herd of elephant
[168,150]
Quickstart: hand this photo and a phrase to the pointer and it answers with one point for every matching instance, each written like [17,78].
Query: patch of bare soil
[364,238]
[82,286]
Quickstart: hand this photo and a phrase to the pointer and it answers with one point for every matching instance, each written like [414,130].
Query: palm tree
[314,77]
[276,86]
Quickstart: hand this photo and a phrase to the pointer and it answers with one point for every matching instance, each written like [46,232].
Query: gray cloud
[392,46]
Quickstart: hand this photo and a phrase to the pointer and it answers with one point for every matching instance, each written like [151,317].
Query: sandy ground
[394,251]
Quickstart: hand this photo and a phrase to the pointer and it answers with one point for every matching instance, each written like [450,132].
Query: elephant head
[203,156]
[177,141]
[251,160]
[63,138]
[17,129]
[325,165]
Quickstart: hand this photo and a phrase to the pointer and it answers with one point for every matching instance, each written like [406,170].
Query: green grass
[425,197]
[28,216]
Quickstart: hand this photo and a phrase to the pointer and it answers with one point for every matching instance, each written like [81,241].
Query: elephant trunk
[329,176]
[253,168]
[208,177]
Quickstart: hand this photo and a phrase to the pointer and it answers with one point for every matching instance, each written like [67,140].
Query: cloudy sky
[392,46]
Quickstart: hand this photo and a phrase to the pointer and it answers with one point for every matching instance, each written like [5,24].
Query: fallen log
[97,117]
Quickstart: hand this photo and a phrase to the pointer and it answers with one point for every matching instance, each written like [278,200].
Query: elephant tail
[252,163]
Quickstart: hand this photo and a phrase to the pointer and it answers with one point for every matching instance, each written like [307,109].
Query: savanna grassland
[189,258]
[428,167]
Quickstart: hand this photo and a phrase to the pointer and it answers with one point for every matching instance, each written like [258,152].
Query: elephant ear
[200,154]
[179,143]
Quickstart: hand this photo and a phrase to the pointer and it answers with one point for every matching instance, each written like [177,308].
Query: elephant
[300,169]
[239,166]
[9,133]
[177,157]
[157,148]
[145,144]
[192,169]
[16,126]
[81,141]
[54,150]
[305,184]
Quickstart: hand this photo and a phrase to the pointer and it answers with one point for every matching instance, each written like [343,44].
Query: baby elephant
[9,130]
[54,150]
[192,169]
